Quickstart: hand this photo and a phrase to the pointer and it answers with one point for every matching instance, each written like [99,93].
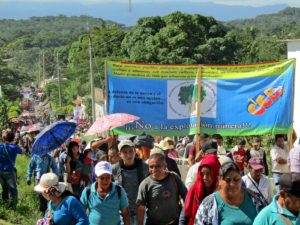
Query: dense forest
[60,42]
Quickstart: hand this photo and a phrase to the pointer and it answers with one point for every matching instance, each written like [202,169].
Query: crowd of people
[137,181]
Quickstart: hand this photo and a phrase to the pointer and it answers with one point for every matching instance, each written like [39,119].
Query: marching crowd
[137,181]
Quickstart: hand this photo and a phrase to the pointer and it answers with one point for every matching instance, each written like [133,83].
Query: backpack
[139,169]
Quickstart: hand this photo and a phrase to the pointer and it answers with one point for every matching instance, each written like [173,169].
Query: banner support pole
[199,75]
[292,134]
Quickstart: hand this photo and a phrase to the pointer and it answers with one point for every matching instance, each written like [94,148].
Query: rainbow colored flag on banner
[234,100]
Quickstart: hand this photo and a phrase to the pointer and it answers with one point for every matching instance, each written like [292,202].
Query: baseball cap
[209,147]
[124,143]
[256,163]
[290,183]
[103,167]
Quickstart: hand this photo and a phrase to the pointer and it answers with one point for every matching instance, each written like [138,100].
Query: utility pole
[44,75]
[40,68]
[92,81]
[58,80]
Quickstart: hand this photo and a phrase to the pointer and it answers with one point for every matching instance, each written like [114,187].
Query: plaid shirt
[295,159]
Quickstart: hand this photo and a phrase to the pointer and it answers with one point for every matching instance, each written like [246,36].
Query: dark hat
[209,147]
[290,183]
[217,137]
[100,155]
[256,163]
[144,140]
[203,136]
[242,142]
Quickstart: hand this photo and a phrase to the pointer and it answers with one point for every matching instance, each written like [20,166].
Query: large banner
[234,100]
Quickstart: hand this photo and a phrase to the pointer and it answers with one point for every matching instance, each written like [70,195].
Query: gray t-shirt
[128,178]
[161,198]
[131,185]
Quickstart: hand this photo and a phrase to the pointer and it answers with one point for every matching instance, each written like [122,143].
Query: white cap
[125,143]
[103,167]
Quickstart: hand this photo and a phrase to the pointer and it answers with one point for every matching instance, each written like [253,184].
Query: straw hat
[49,180]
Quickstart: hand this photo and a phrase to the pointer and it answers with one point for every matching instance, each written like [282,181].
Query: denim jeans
[276,177]
[132,220]
[8,181]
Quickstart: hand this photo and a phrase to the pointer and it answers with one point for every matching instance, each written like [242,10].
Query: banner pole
[292,134]
[199,75]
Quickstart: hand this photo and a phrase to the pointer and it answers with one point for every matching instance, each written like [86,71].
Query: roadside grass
[27,210]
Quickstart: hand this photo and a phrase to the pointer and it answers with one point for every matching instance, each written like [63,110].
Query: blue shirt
[41,165]
[104,211]
[270,215]
[7,162]
[244,214]
[70,210]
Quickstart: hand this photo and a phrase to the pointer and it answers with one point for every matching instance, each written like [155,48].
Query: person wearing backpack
[160,194]
[8,176]
[129,172]
[104,199]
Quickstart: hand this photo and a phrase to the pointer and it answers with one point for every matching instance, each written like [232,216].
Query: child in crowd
[87,166]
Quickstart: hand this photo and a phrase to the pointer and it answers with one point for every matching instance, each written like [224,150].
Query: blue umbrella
[52,137]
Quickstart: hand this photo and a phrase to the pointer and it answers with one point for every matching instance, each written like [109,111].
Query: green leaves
[176,38]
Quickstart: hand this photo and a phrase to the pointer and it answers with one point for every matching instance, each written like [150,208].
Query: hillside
[284,24]
[119,10]
[72,26]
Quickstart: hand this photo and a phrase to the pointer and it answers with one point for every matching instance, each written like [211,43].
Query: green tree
[3,114]
[10,80]
[179,38]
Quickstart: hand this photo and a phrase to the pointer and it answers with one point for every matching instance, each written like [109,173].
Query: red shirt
[239,157]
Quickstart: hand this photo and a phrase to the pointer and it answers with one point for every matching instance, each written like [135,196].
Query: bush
[27,210]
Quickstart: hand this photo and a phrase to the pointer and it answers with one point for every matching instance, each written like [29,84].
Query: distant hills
[119,12]
[284,23]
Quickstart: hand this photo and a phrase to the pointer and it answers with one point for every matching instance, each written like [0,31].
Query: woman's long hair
[70,147]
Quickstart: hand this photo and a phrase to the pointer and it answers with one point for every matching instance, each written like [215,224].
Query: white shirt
[264,186]
[295,159]
[191,175]
[277,152]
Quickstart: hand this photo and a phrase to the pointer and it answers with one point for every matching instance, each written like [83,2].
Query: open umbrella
[111,121]
[52,137]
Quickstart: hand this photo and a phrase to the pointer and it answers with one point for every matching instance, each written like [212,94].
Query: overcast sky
[295,3]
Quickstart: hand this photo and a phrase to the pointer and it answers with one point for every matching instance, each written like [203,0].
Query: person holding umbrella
[51,137]
[38,166]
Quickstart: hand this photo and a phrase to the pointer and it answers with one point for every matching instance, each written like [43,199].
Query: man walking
[8,176]
[285,207]
[160,194]
[279,158]
[40,165]
[129,172]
